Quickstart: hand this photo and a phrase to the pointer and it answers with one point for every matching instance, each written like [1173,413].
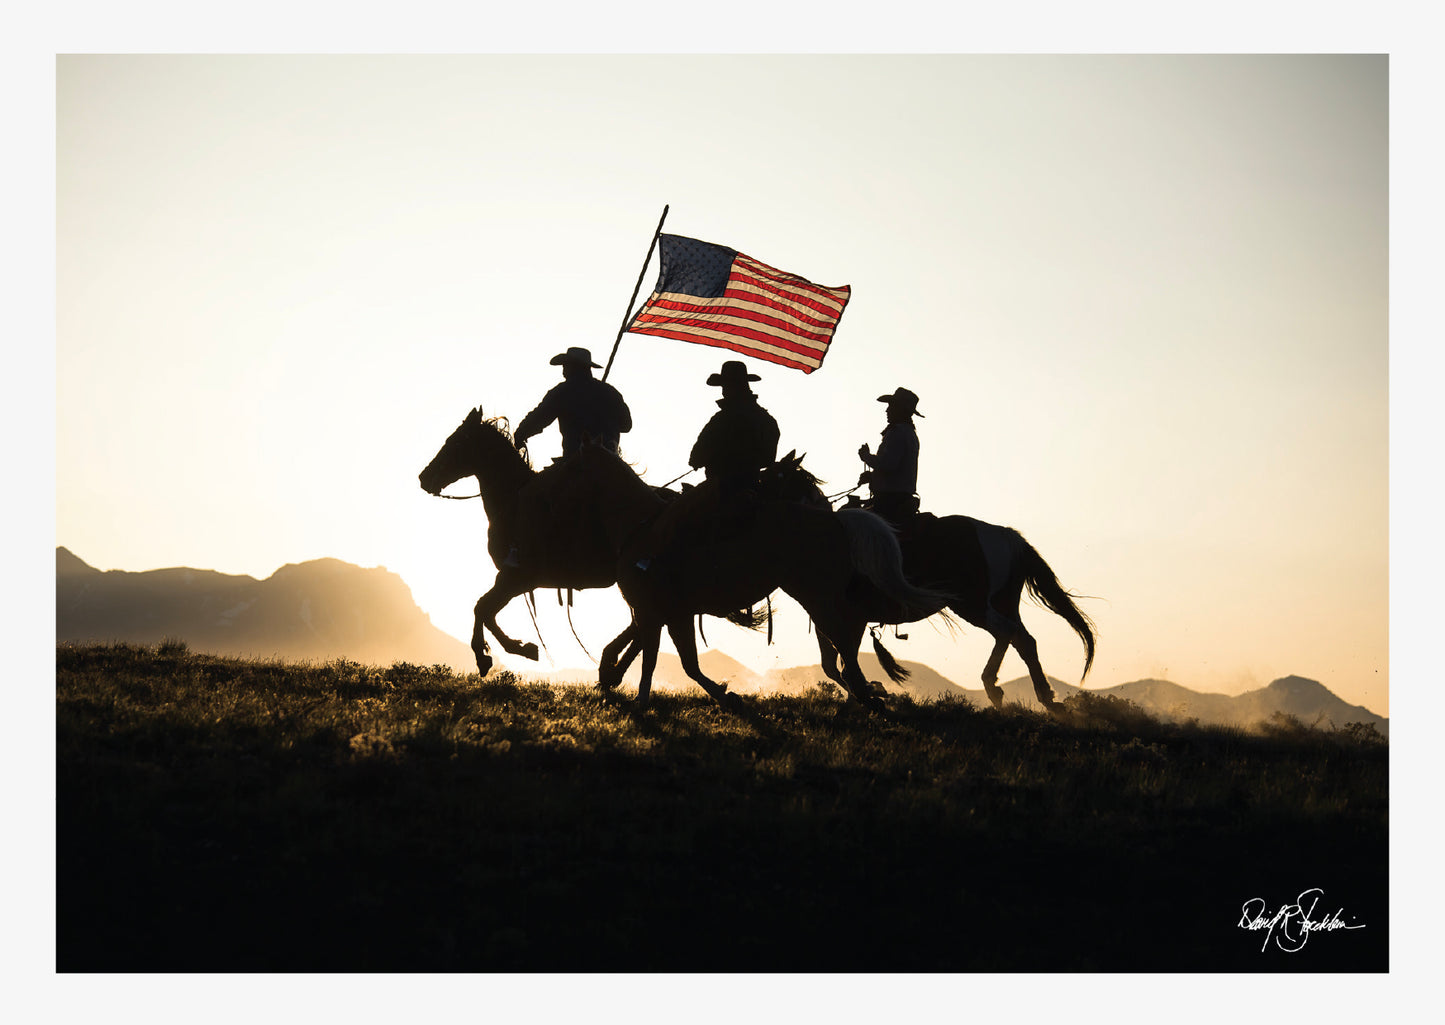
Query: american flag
[713,295]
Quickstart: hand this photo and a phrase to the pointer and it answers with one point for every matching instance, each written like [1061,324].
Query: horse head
[478,448]
[787,481]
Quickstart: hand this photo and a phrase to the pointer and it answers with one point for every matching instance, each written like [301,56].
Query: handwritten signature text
[1293,924]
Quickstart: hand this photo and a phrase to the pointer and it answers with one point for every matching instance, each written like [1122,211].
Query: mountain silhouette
[923,683]
[1309,701]
[318,610]
[327,609]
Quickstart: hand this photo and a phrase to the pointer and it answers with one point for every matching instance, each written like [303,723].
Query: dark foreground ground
[227,816]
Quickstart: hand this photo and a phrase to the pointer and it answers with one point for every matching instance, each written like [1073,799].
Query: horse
[561,550]
[984,569]
[554,553]
[733,558]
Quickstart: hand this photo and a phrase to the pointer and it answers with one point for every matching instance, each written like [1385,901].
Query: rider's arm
[703,448]
[768,436]
[888,456]
[537,420]
[624,415]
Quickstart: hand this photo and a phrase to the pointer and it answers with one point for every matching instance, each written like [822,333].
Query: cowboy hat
[575,356]
[733,372]
[904,400]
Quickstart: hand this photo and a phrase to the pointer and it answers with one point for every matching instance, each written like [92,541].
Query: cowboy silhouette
[586,410]
[892,474]
[742,436]
[739,440]
[584,407]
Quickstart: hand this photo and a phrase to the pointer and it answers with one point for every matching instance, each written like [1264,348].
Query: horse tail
[876,555]
[1046,590]
[890,665]
[753,618]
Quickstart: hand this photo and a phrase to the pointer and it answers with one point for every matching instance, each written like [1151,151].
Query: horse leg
[846,639]
[680,630]
[479,640]
[506,587]
[1008,630]
[649,636]
[860,689]
[1028,650]
[611,669]
[990,672]
[828,659]
[840,627]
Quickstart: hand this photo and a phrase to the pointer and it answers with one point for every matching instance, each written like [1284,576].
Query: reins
[831,498]
[680,476]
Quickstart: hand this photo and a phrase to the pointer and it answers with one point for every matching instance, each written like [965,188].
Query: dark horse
[569,558]
[579,519]
[984,569]
[729,560]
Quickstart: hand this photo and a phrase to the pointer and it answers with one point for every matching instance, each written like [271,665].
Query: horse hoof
[529,651]
[608,677]
[484,664]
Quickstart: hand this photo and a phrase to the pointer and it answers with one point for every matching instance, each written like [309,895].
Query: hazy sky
[1144,302]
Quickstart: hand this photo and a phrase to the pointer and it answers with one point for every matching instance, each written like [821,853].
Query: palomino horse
[983,568]
[554,554]
[731,559]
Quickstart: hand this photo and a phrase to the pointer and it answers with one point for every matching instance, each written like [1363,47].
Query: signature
[1293,924]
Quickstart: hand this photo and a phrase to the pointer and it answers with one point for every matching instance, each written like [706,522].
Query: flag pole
[635,289]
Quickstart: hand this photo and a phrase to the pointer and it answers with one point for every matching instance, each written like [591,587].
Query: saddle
[555,522]
[899,510]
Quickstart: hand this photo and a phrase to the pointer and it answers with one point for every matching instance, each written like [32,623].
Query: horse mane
[503,426]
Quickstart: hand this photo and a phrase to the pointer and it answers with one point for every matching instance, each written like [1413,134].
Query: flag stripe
[728,341]
[805,315]
[829,300]
[717,326]
[713,295]
[762,316]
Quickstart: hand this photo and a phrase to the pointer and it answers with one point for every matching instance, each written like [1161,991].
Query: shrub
[1362,733]
[1087,709]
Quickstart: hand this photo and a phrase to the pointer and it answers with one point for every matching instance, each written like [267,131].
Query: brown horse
[983,568]
[735,557]
[518,501]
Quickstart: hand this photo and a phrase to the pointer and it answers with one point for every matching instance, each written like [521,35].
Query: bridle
[458,498]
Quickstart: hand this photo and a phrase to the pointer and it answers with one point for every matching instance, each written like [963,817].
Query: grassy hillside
[223,815]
